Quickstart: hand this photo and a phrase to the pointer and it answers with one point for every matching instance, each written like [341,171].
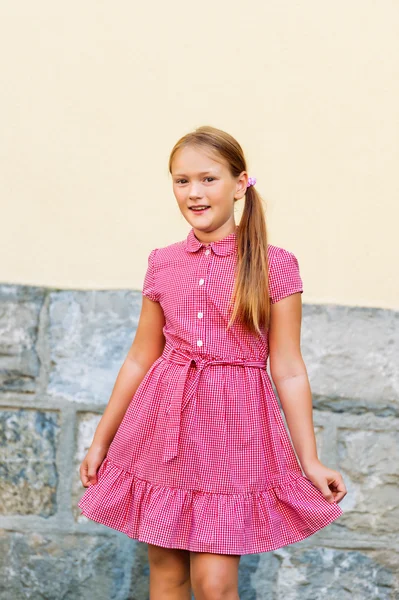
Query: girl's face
[201,178]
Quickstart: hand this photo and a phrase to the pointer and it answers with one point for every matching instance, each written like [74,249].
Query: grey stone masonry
[60,353]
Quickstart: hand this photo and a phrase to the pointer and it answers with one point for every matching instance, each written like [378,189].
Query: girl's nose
[194,192]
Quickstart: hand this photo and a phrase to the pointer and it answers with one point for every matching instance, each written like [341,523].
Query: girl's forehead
[196,160]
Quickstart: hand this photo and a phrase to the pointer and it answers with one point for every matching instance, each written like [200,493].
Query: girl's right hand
[90,464]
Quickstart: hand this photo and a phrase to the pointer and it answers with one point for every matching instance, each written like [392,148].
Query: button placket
[202,301]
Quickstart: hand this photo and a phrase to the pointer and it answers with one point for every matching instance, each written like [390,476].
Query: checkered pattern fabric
[202,459]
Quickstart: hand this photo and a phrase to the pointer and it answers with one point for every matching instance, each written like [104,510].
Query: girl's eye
[184,180]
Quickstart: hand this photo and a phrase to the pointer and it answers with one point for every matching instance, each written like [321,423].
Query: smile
[199,209]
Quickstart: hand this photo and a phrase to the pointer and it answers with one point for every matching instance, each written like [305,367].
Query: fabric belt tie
[177,404]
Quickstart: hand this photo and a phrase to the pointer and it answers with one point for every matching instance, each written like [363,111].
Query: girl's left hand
[328,481]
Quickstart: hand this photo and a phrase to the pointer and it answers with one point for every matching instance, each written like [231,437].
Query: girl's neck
[218,240]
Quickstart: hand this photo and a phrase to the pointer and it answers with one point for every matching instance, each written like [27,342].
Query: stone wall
[60,352]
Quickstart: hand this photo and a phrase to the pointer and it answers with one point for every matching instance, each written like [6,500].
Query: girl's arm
[289,374]
[147,346]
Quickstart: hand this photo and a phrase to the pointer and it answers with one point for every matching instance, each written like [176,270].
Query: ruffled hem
[289,510]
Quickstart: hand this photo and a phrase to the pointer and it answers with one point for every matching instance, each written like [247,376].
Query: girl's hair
[250,298]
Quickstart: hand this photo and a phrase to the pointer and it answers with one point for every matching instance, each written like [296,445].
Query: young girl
[191,454]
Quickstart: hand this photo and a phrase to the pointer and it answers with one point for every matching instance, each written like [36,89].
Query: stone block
[351,354]
[297,572]
[28,472]
[70,566]
[20,307]
[90,333]
[369,461]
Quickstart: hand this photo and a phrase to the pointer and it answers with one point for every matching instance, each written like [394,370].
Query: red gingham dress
[202,459]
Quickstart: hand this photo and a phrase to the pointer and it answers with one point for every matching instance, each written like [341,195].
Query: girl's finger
[92,475]
[325,490]
[339,496]
[339,489]
[84,475]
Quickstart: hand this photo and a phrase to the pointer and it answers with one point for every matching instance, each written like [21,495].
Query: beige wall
[95,94]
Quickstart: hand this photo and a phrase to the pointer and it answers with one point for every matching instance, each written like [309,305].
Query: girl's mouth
[199,210]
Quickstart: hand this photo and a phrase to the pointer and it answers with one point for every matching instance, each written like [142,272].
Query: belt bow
[177,404]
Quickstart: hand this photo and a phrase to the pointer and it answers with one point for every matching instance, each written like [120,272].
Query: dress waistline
[177,404]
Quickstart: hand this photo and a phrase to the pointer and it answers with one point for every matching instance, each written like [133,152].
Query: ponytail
[251,288]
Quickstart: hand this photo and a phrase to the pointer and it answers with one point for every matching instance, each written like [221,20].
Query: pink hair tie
[251,181]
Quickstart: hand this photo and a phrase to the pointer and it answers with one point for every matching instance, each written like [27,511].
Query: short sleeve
[284,276]
[149,284]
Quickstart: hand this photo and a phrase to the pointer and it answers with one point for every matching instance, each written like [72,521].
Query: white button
[201,281]
[200,315]
[207,251]
[199,342]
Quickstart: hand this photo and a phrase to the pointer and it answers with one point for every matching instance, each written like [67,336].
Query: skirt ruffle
[289,510]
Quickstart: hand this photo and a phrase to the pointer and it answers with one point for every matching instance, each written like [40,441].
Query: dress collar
[222,247]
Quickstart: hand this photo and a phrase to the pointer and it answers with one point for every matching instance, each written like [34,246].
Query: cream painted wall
[95,94]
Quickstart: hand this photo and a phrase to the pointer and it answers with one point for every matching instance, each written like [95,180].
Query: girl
[191,454]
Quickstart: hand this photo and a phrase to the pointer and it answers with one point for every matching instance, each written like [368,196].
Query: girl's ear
[241,186]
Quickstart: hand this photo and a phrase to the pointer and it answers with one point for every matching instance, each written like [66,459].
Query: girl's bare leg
[214,576]
[169,573]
